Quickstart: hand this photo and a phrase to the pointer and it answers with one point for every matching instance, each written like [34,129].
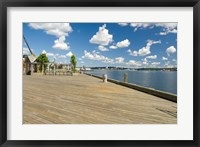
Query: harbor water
[160,80]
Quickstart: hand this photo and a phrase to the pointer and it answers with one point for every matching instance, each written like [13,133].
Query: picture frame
[195,4]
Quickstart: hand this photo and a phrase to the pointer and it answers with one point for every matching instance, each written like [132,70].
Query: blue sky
[105,44]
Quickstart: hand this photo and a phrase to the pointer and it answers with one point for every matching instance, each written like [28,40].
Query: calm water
[160,80]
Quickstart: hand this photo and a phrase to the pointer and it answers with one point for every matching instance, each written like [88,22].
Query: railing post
[126,77]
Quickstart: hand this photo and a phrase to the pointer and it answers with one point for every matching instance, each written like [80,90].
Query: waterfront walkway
[82,99]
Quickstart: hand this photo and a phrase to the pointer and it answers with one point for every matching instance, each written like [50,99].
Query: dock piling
[126,77]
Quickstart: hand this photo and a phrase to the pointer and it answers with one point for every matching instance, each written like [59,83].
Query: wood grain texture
[83,99]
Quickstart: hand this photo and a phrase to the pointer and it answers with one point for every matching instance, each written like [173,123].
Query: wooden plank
[83,99]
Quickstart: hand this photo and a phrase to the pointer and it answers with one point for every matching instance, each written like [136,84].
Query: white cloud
[69,54]
[146,50]
[155,63]
[170,50]
[102,48]
[152,57]
[132,53]
[62,56]
[167,25]
[123,24]
[60,30]
[174,60]
[96,56]
[108,60]
[163,33]
[93,55]
[169,65]
[102,37]
[124,43]
[119,60]
[164,58]
[151,42]
[26,51]
[145,61]
[56,29]
[121,44]
[60,44]
[167,28]
[134,63]
[56,56]
[137,26]
[168,31]
[43,52]
[88,55]
[50,54]
[113,47]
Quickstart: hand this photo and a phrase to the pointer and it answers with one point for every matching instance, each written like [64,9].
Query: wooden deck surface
[83,99]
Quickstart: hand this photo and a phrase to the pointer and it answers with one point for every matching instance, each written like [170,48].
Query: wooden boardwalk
[83,99]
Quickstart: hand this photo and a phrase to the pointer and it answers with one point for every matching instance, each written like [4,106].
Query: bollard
[126,77]
[105,78]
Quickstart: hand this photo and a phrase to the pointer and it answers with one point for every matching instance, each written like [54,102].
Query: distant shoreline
[136,69]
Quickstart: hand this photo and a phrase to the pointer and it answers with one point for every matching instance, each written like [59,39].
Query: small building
[69,66]
[30,65]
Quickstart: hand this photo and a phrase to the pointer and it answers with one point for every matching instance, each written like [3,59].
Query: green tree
[73,62]
[42,59]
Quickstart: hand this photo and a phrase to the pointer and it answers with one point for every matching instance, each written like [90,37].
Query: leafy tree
[42,59]
[73,62]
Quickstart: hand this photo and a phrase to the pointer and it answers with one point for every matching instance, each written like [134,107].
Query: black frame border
[98,3]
